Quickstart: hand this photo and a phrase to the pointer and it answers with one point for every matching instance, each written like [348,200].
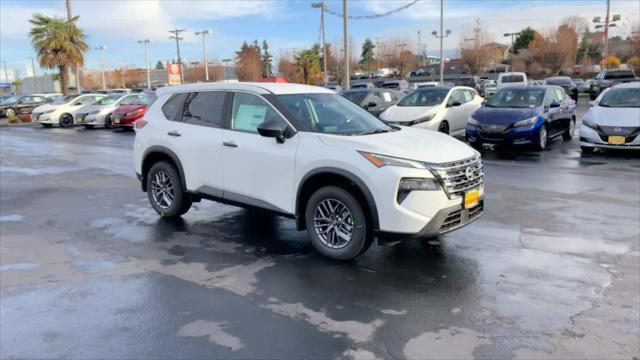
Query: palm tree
[59,44]
[309,62]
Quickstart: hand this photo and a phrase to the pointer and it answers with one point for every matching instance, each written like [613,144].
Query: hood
[504,116]
[407,143]
[45,107]
[608,116]
[123,109]
[406,113]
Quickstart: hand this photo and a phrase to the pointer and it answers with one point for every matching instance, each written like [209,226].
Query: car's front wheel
[66,120]
[9,112]
[568,134]
[543,138]
[337,223]
[108,124]
[444,127]
[164,188]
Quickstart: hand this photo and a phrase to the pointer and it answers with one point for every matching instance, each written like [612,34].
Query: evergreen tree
[266,60]
[523,40]
[367,57]
[159,65]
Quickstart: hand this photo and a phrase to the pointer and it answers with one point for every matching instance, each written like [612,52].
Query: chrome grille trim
[453,178]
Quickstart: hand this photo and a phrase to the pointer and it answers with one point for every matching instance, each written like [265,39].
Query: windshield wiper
[374,131]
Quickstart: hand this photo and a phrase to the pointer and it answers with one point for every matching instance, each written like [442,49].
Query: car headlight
[413,184]
[383,160]
[421,120]
[590,124]
[473,121]
[525,122]
[49,111]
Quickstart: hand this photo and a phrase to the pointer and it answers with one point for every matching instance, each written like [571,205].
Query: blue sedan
[523,115]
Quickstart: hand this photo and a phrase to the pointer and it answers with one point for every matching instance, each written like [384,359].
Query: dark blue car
[523,115]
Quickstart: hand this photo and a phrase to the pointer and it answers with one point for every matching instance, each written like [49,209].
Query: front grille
[629,132]
[460,176]
[454,219]
[460,217]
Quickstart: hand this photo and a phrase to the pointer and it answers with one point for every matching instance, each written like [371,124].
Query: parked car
[335,87]
[374,101]
[125,115]
[445,109]
[363,85]
[613,120]
[523,115]
[62,111]
[306,153]
[581,84]
[566,83]
[99,113]
[608,78]
[422,84]
[22,105]
[469,81]
[511,79]
[400,85]
[489,88]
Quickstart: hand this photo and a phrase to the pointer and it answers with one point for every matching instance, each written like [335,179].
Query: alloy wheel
[10,113]
[162,189]
[572,127]
[333,223]
[543,137]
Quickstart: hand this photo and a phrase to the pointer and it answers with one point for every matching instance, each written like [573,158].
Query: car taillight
[140,123]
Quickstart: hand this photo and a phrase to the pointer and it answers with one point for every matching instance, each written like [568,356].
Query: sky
[287,25]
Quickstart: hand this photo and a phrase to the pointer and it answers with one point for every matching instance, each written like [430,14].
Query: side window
[456,96]
[26,99]
[204,108]
[171,108]
[372,97]
[468,96]
[559,95]
[249,111]
[128,100]
[38,99]
[87,100]
[549,98]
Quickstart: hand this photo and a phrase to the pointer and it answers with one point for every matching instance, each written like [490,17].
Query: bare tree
[555,50]
[476,51]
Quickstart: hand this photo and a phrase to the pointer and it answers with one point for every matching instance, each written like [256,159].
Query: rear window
[204,108]
[391,85]
[512,79]
[619,74]
[172,107]
[355,96]
[558,81]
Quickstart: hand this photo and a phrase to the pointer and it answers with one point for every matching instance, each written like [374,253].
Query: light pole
[401,46]
[146,60]
[606,24]
[321,6]
[226,68]
[345,80]
[33,73]
[441,37]
[204,47]
[177,37]
[513,34]
[101,48]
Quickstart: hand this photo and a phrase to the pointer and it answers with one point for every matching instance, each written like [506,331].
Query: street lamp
[606,24]
[512,49]
[226,68]
[321,6]
[101,48]
[146,60]
[441,37]
[204,47]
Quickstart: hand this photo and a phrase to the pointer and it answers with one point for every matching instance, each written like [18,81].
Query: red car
[124,116]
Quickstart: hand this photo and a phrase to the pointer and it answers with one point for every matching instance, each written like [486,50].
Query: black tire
[181,201]
[107,122]
[9,112]
[66,120]
[444,127]
[543,134]
[46,125]
[568,134]
[89,127]
[587,149]
[360,239]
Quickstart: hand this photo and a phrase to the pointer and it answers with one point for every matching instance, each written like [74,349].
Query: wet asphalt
[88,270]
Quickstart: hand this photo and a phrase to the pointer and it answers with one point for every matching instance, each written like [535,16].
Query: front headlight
[413,184]
[49,111]
[590,124]
[525,122]
[383,160]
[421,120]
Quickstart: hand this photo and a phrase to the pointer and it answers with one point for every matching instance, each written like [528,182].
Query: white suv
[309,154]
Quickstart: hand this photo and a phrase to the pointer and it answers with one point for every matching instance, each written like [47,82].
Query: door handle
[174,133]
[230,144]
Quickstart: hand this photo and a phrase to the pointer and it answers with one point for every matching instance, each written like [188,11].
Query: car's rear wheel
[164,188]
[108,124]
[444,127]
[337,223]
[543,138]
[66,120]
[568,134]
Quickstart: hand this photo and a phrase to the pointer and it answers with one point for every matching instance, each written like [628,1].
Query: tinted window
[468,95]
[173,106]
[619,74]
[204,108]
[558,81]
[249,111]
[512,79]
[516,98]
[355,96]
[622,97]
[424,97]
[456,96]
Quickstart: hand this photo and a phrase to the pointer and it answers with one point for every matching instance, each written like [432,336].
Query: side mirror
[272,129]
[77,103]
[454,104]
[370,105]
[554,105]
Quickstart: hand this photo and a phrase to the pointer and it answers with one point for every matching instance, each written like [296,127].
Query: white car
[444,109]
[511,79]
[613,121]
[99,113]
[62,111]
[306,153]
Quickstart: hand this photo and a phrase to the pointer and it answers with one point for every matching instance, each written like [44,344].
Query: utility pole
[204,48]
[441,37]
[607,23]
[69,16]
[345,20]
[6,73]
[101,48]
[146,60]
[378,52]
[176,36]
[226,68]
[321,6]
[420,49]
[513,34]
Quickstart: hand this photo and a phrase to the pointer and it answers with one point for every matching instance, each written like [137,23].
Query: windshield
[108,100]
[512,79]
[558,81]
[465,82]
[331,114]
[64,100]
[424,97]
[359,86]
[143,100]
[620,74]
[619,98]
[355,96]
[516,98]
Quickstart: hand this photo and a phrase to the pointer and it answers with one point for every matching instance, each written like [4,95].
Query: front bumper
[591,138]
[44,118]
[523,135]
[127,122]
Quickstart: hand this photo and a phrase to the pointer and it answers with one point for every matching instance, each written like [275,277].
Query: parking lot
[88,269]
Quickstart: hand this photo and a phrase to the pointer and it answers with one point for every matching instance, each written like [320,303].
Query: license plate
[471,198]
[116,121]
[616,140]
